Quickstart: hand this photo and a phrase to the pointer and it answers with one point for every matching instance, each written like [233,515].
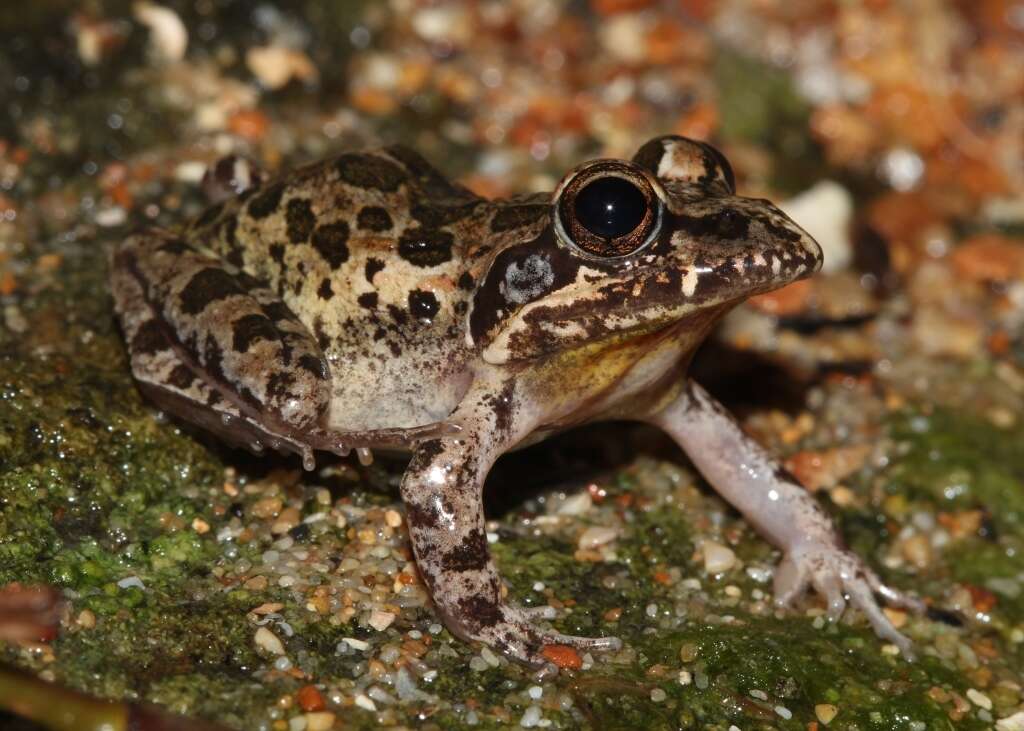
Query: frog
[366,302]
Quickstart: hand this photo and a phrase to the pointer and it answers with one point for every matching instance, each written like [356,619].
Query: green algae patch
[956,462]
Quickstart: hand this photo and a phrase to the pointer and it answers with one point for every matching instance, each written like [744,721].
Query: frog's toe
[545,612]
[834,573]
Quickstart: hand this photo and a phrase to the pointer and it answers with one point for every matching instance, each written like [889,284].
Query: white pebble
[825,211]
[268,641]
[685,678]
[658,695]
[131,581]
[784,712]
[297,723]
[651,610]
[113,216]
[530,718]
[380,620]
[355,644]
[577,504]
[1011,723]
[596,536]
[477,664]
[535,692]
[979,699]
[758,694]
[717,558]
[166,31]
[489,657]
[365,703]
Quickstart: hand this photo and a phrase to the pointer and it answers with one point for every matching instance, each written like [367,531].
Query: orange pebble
[251,124]
[563,656]
[7,283]
[310,699]
[983,599]
[989,257]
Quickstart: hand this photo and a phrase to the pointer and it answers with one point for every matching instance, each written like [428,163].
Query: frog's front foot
[837,574]
[444,511]
[29,613]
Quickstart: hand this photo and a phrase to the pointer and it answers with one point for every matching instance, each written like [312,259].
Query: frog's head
[636,246]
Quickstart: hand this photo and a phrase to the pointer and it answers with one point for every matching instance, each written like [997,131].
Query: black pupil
[610,207]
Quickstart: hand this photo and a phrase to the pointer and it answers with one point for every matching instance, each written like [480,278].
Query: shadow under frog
[366,302]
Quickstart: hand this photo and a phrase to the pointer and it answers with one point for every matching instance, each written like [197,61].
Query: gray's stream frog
[367,302]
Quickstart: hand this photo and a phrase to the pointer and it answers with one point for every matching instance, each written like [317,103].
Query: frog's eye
[608,209]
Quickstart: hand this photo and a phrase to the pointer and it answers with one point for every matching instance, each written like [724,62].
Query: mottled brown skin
[367,302]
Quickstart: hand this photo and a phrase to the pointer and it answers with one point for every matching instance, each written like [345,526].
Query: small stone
[275,66]
[310,699]
[266,507]
[167,32]
[86,619]
[577,504]
[355,644]
[658,695]
[364,702]
[596,536]
[717,558]
[256,583]
[269,641]
[381,620]
[685,678]
[1011,723]
[393,518]
[530,718]
[288,519]
[320,721]
[200,526]
[688,652]
[979,699]
[825,712]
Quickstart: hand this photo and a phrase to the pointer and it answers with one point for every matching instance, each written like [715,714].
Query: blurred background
[893,382]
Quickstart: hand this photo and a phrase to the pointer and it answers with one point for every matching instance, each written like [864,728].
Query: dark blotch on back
[436,214]
[372,267]
[331,241]
[369,171]
[181,376]
[426,247]
[367,300]
[266,201]
[510,217]
[426,176]
[249,329]
[422,304]
[374,218]
[206,287]
[325,291]
[299,219]
[316,366]
[149,338]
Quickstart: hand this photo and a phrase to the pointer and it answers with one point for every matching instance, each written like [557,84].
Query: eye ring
[607,209]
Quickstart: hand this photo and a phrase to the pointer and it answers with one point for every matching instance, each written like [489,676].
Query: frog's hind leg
[211,346]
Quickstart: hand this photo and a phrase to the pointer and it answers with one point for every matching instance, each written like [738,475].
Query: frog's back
[377,254]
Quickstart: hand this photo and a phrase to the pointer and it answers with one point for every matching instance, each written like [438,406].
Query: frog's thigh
[211,346]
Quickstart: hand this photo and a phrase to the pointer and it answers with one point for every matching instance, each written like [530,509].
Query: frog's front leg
[781,510]
[442,491]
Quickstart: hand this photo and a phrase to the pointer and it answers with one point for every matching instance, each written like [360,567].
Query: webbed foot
[837,574]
